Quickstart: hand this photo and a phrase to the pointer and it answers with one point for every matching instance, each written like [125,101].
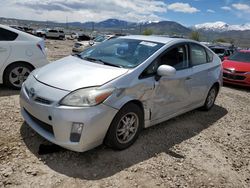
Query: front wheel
[16,74]
[211,96]
[125,127]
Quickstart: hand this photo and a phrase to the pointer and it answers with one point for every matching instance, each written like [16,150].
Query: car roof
[159,39]
[21,35]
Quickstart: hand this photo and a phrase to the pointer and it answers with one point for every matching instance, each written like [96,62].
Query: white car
[55,33]
[20,53]
[81,45]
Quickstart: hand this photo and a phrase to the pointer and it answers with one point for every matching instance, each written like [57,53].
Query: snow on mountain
[221,26]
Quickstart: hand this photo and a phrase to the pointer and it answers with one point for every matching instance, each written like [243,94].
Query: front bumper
[59,119]
[241,79]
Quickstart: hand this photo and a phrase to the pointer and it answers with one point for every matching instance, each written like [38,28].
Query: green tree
[195,35]
[148,32]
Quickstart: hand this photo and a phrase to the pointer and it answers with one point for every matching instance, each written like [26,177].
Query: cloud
[241,7]
[226,8]
[182,7]
[210,11]
[84,10]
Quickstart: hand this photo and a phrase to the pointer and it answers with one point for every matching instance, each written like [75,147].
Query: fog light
[76,132]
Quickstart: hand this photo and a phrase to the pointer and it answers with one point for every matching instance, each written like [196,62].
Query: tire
[16,74]
[211,96]
[118,129]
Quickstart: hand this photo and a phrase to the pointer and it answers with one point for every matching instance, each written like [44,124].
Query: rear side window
[53,31]
[6,35]
[209,56]
[198,54]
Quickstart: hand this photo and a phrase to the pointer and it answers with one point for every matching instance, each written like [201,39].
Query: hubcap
[127,128]
[18,75]
[211,97]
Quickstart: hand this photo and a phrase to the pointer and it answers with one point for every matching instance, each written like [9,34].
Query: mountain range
[221,27]
[239,34]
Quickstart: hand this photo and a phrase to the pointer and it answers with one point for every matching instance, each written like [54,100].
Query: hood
[238,66]
[71,73]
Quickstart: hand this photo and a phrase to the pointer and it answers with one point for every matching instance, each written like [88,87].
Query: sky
[186,12]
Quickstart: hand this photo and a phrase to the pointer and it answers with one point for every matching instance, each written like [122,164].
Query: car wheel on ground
[16,74]
[211,96]
[125,127]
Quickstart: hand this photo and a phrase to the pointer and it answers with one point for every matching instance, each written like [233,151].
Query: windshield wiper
[101,61]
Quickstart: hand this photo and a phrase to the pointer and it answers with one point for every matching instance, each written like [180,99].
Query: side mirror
[166,70]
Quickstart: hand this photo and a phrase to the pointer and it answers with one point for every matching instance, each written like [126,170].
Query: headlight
[86,97]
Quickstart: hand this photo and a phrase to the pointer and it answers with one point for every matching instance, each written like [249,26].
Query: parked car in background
[23,28]
[101,38]
[83,37]
[55,33]
[113,90]
[222,51]
[236,68]
[81,45]
[40,32]
[20,53]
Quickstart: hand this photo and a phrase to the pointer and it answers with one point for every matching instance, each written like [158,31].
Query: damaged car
[110,92]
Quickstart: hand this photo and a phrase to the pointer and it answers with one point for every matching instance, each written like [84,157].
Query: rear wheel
[125,127]
[16,74]
[212,94]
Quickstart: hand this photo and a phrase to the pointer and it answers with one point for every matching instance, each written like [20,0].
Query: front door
[171,94]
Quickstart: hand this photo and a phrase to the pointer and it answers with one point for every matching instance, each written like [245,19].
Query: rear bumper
[59,119]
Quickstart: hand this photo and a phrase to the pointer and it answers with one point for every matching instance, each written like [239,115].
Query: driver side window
[176,57]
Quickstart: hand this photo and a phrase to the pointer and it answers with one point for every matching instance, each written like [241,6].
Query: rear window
[209,56]
[6,35]
[198,55]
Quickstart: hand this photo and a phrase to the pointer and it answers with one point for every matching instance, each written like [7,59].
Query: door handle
[188,78]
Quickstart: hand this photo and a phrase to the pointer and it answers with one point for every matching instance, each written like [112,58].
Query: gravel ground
[197,149]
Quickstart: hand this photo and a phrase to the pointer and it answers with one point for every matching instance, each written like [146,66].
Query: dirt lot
[197,149]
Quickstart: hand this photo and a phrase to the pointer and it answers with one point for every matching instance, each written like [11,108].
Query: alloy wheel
[127,127]
[18,75]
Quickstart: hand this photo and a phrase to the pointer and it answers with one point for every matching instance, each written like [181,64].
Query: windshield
[240,56]
[127,53]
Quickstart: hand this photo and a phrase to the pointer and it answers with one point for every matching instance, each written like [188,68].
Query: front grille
[240,72]
[233,77]
[43,100]
[42,124]
[37,98]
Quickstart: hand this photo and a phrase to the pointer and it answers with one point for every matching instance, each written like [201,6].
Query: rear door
[202,70]
[6,39]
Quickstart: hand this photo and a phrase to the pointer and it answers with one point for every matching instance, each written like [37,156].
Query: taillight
[40,47]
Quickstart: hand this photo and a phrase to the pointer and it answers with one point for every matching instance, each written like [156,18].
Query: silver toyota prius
[111,91]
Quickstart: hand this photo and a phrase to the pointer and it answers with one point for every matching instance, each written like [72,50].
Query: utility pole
[67,22]
[93,26]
